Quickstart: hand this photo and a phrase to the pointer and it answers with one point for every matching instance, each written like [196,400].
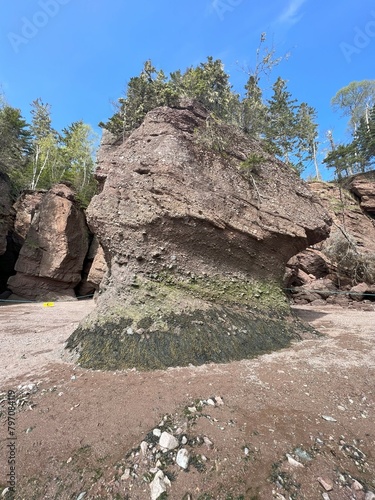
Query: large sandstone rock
[197,223]
[51,259]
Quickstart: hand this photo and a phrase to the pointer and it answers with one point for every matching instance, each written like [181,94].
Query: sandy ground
[295,424]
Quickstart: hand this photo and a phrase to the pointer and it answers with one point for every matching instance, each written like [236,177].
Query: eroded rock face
[363,186]
[314,269]
[194,230]
[94,270]
[50,262]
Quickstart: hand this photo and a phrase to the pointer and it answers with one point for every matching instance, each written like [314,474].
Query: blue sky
[78,55]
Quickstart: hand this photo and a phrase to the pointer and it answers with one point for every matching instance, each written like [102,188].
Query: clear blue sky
[78,55]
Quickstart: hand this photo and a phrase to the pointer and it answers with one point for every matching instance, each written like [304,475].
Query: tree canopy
[35,156]
[357,101]
[285,126]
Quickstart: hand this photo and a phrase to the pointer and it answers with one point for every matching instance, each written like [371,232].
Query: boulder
[313,262]
[197,223]
[51,260]
[362,291]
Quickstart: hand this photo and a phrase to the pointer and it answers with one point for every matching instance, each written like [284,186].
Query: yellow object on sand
[48,304]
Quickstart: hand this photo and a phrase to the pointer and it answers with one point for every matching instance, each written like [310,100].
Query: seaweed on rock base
[178,325]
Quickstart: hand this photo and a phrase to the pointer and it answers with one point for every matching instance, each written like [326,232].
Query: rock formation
[25,207]
[341,263]
[50,262]
[94,269]
[197,223]
[363,186]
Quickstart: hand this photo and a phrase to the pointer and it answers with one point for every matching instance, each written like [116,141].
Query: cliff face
[341,269]
[197,224]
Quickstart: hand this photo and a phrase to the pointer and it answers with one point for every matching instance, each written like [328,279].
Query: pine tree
[281,123]
[307,135]
[254,111]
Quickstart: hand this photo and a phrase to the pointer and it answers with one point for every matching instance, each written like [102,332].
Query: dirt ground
[295,424]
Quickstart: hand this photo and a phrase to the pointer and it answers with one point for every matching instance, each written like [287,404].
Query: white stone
[292,462]
[370,496]
[129,331]
[210,402]
[144,448]
[157,486]
[156,432]
[168,441]
[182,458]
[184,440]
[328,418]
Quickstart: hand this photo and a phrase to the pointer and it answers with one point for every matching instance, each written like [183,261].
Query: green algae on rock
[180,323]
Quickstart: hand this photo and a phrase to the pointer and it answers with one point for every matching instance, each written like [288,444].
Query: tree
[281,121]
[14,143]
[65,156]
[365,138]
[144,92]
[307,137]
[254,111]
[77,150]
[354,100]
[342,159]
[209,84]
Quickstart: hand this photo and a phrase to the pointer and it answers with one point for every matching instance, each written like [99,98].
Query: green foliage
[342,159]
[144,92]
[288,130]
[209,84]
[357,156]
[14,144]
[77,151]
[353,100]
[36,156]
[252,162]
[254,110]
